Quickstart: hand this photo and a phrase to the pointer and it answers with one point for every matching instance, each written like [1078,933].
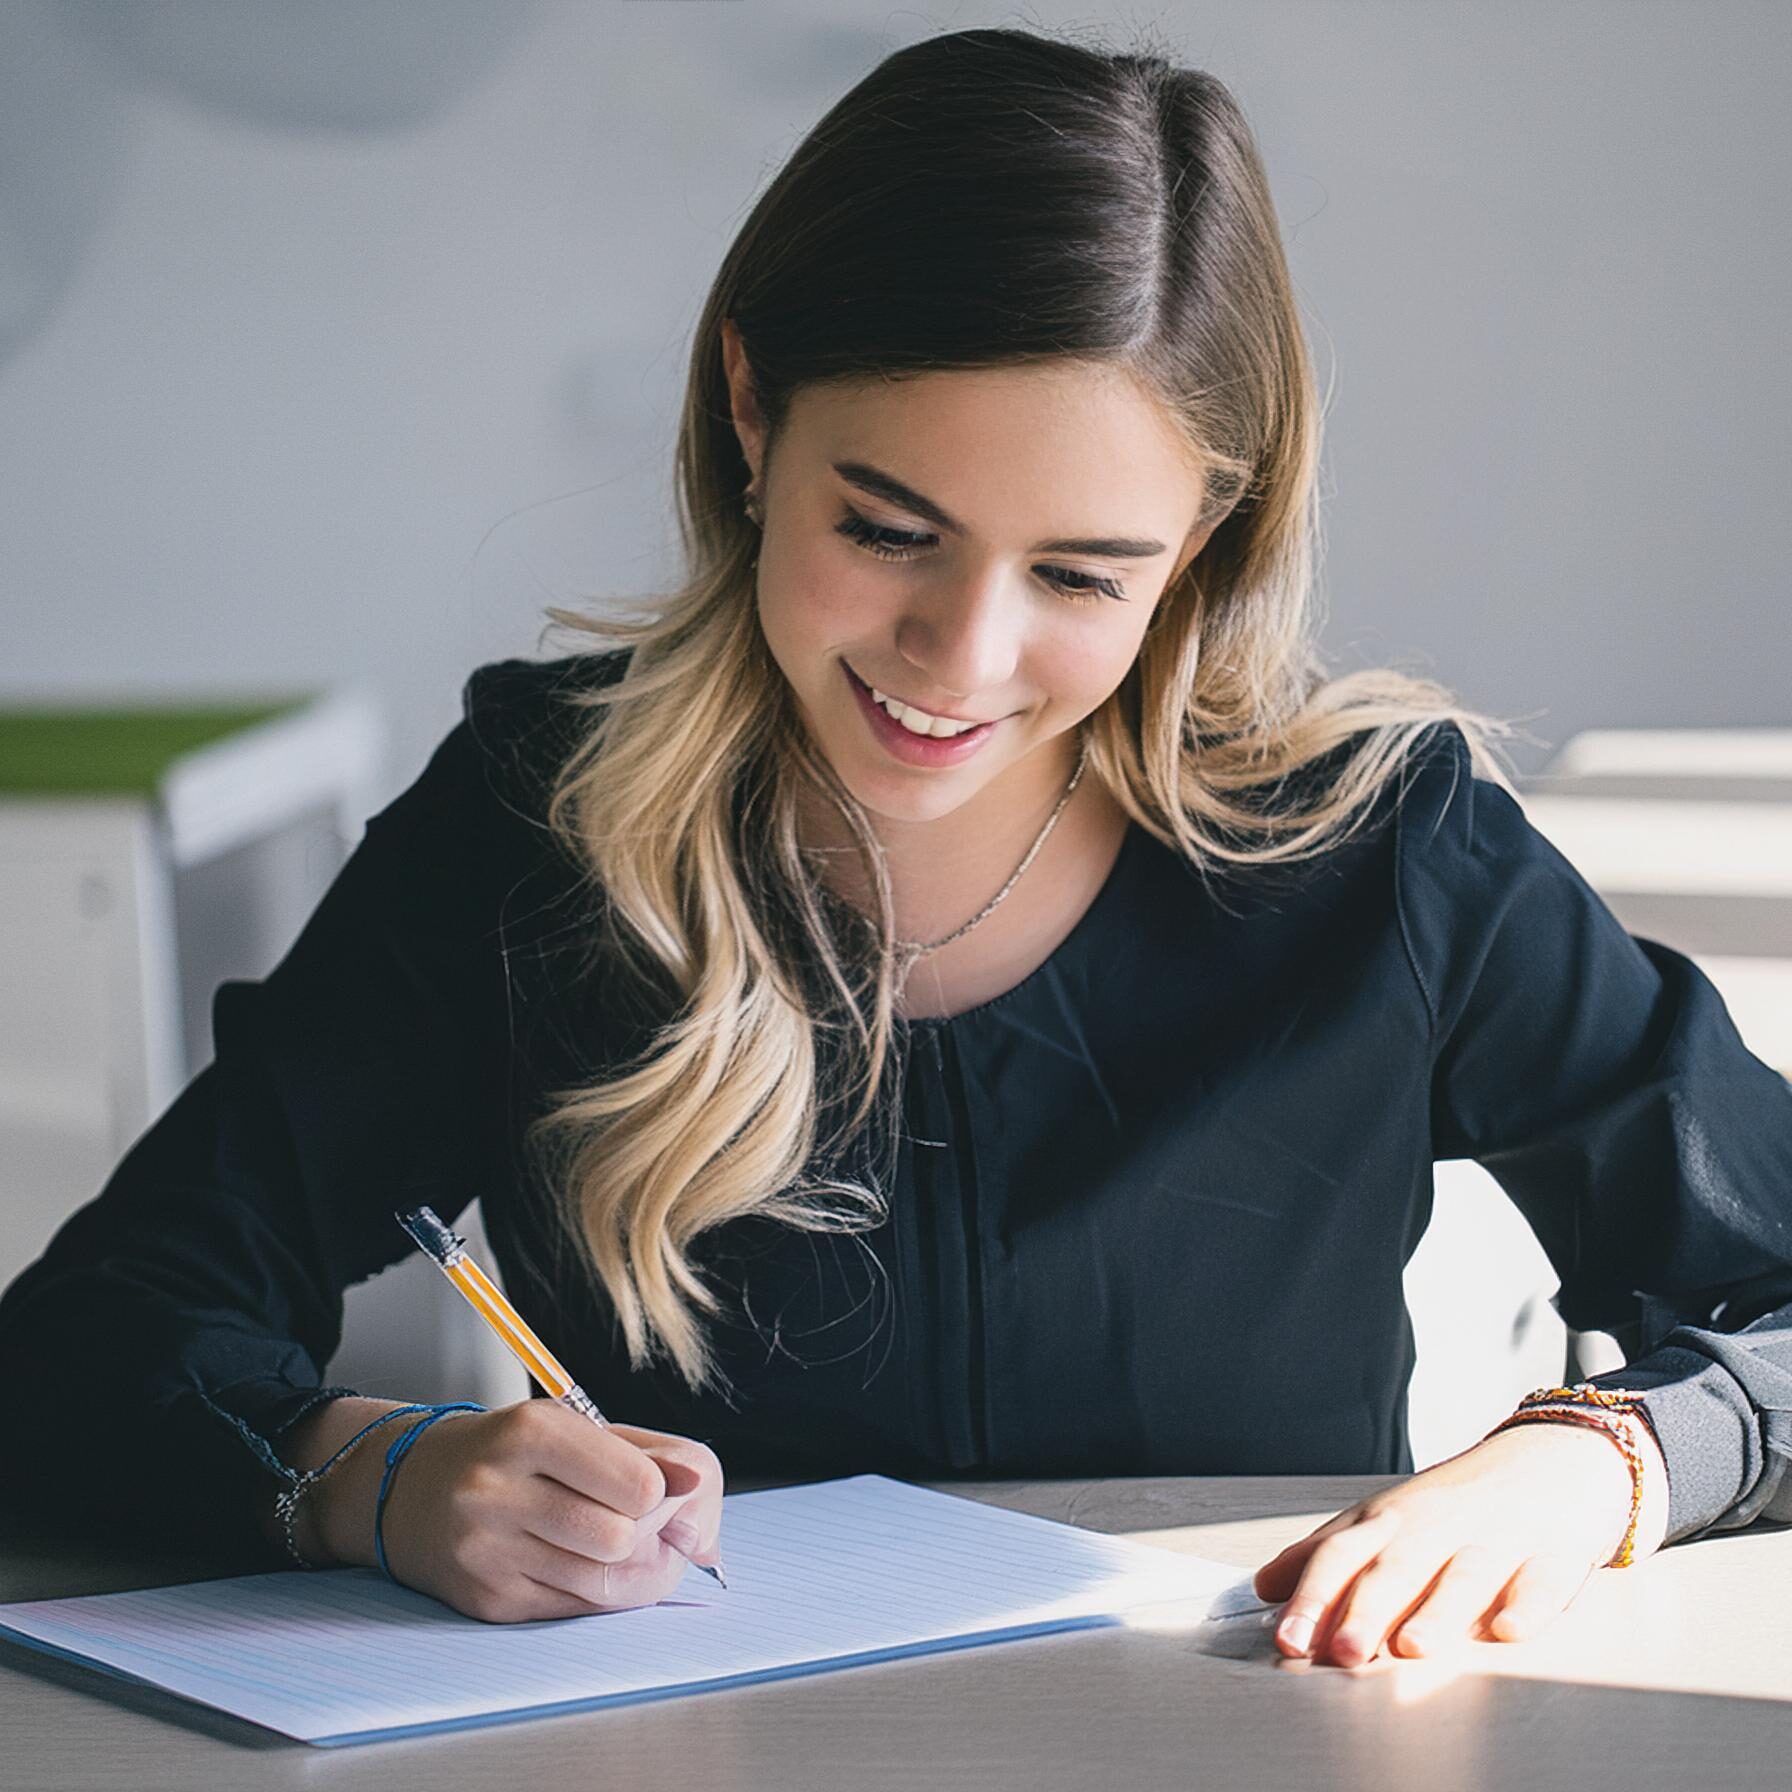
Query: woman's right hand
[531,1511]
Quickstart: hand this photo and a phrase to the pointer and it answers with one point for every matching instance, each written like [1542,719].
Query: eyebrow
[880,484]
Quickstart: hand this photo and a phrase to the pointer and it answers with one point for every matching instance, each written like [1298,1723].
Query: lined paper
[821,1576]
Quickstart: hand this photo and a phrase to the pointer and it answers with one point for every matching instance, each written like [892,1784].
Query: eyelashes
[902,544]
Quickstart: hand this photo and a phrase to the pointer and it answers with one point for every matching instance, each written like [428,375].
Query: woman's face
[979,546]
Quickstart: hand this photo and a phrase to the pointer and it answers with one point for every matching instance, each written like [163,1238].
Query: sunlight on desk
[1704,1617]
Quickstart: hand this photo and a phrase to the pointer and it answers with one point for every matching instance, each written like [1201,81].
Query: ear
[749,425]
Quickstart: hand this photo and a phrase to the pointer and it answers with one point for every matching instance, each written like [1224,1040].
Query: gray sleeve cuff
[1728,1461]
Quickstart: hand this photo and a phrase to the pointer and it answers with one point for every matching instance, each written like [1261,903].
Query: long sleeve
[177,1324]
[1599,1078]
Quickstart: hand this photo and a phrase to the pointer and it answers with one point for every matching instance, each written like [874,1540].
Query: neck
[943,870]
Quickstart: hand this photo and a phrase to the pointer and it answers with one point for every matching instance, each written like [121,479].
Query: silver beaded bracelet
[286,1501]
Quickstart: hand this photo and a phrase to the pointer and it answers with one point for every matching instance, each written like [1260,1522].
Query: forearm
[333,1526]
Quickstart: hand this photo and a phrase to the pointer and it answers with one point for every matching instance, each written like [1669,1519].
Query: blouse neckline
[1131,843]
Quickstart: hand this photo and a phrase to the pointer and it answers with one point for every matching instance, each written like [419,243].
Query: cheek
[809,603]
[1081,667]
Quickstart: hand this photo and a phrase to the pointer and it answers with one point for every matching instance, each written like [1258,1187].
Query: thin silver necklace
[916,949]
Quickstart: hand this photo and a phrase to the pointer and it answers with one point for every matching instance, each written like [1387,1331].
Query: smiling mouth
[922,723]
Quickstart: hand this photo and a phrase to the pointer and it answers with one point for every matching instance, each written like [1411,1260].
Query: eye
[902,544]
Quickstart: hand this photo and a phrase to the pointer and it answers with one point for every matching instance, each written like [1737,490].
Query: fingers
[1538,1593]
[569,1522]
[607,1526]
[587,1529]
[526,1580]
[693,1473]
[644,1579]
[683,1523]
[1399,1599]
[601,1462]
[683,1461]
[686,1537]
[1277,1578]
[1471,1583]
[538,1601]
[1331,1565]
[533,1597]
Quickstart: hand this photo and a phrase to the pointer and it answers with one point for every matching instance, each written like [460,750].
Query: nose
[963,635]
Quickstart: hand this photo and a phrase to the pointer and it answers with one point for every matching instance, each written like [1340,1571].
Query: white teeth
[918,721]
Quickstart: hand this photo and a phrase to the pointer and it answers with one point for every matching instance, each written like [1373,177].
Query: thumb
[668,1518]
[680,1477]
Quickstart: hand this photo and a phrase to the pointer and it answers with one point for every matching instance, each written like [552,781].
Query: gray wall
[335,341]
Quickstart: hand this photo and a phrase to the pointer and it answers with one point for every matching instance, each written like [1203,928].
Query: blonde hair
[982,198]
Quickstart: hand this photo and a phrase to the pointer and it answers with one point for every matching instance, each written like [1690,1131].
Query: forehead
[1059,441]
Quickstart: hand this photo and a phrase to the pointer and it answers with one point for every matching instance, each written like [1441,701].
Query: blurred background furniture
[127,841]
[1686,834]
[148,854]
[145,855]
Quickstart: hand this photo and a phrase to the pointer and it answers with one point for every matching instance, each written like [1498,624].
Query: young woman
[955,990]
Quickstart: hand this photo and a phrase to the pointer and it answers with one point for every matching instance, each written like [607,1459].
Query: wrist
[333,1520]
[1602,1446]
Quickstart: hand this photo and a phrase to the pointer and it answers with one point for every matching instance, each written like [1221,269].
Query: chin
[900,795]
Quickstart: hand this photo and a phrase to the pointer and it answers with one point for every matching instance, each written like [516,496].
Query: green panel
[112,752]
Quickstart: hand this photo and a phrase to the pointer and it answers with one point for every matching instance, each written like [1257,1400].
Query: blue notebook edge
[518,1713]
[41,1647]
[793,1671]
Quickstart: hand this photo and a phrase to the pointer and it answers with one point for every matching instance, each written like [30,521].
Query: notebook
[828,1575]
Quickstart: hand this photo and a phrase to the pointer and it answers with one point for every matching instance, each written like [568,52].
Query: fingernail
[1296,1634]
[681,1534]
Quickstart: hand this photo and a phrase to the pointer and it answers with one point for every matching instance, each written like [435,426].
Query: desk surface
[1673,1674]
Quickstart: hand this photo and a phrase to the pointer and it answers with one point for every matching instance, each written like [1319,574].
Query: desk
[1675,1674]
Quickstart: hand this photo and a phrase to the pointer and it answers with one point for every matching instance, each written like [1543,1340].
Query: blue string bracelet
[394,1456]
[286,1502]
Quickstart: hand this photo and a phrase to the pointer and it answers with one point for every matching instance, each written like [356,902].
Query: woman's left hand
[1492,1543]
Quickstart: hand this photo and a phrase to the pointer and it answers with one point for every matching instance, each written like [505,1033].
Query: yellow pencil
[448,1251]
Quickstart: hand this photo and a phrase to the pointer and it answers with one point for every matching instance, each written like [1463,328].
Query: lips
[943,715]
[923,750]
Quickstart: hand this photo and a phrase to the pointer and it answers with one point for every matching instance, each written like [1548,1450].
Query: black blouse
[1150,1208]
